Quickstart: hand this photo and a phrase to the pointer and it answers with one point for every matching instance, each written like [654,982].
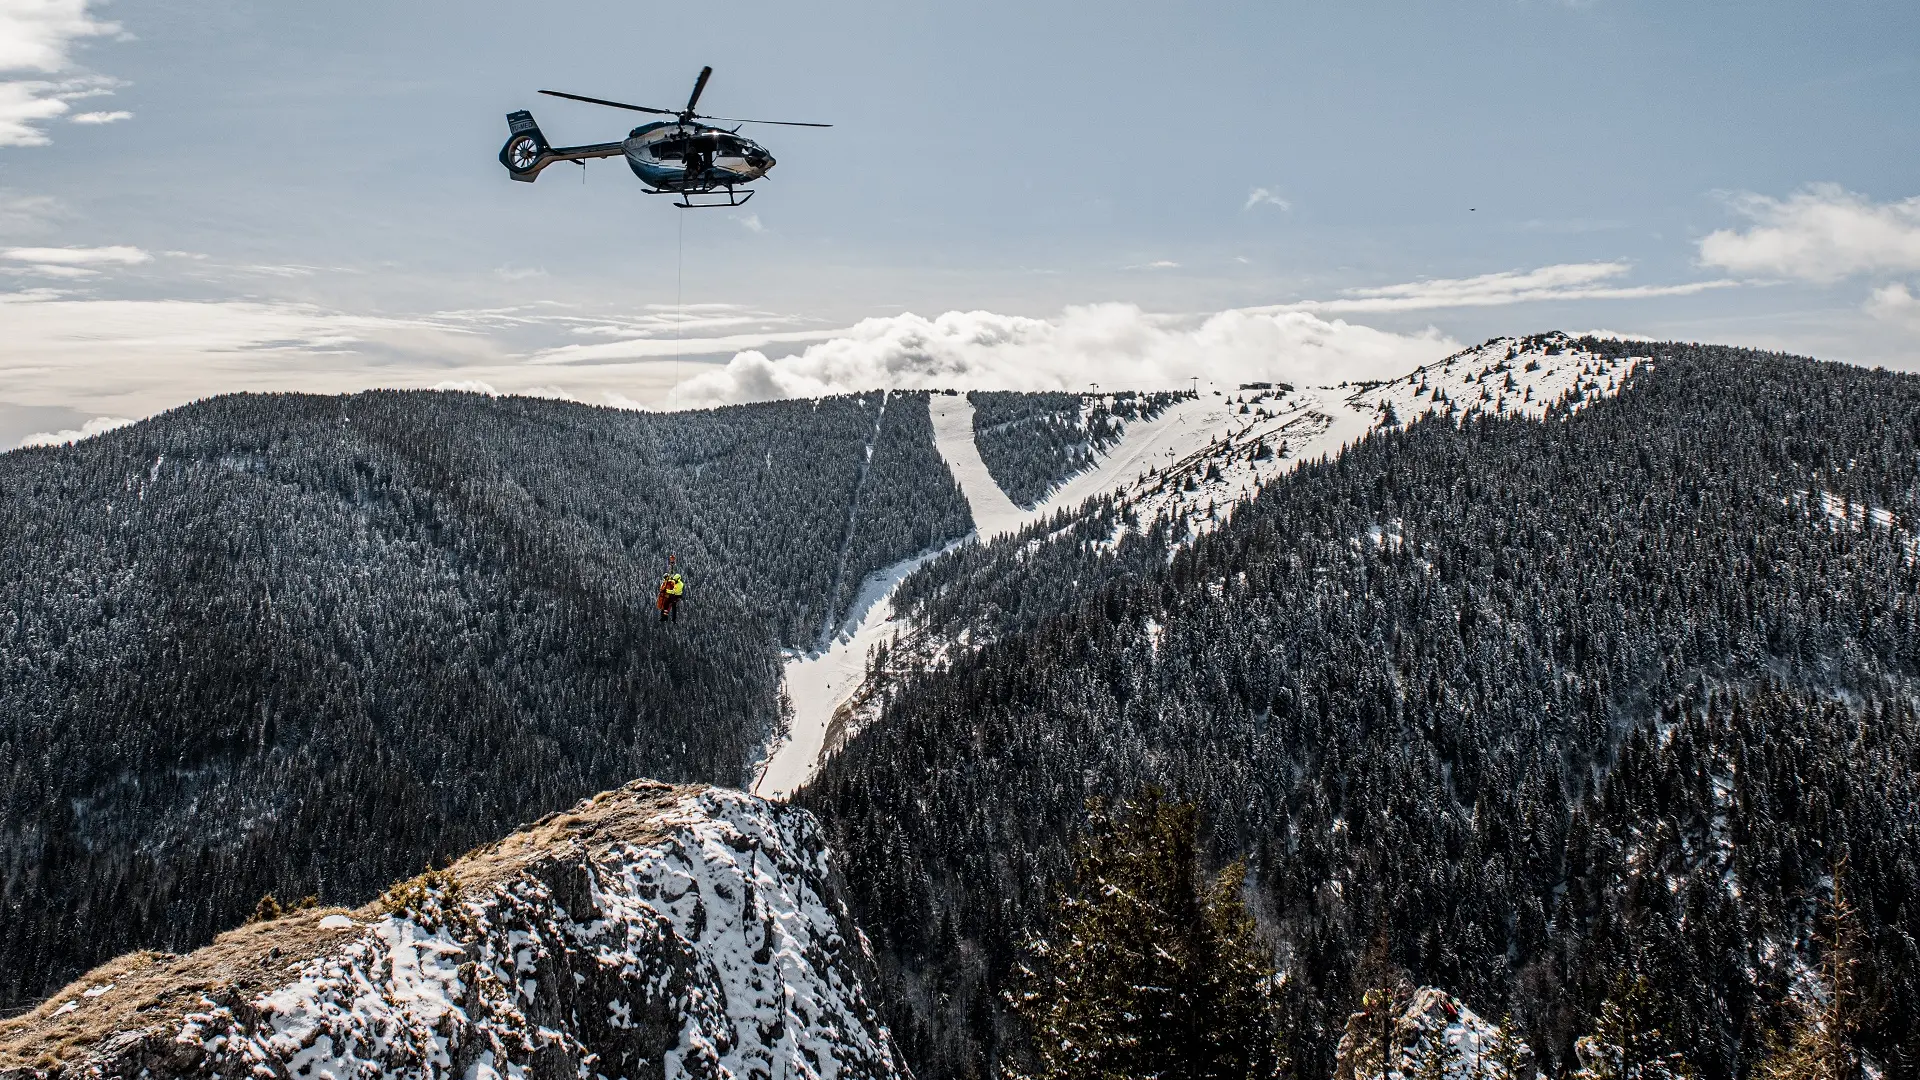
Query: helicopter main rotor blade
[614,104]
[737,120]
[699,85]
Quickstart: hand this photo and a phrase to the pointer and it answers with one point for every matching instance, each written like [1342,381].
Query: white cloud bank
[134,358]
[1820,233]
[1116,345]
[38,36]
[1895,304]
[99,425]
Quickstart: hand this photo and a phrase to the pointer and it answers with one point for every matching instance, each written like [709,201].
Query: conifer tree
[1824,1044]
[1627,1042]
[1371,1041]
[1150,969]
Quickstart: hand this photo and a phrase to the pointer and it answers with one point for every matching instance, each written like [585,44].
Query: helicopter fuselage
[670,156]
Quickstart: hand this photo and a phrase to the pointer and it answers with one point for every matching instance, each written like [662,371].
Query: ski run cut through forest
[1228,444]
[1550,710]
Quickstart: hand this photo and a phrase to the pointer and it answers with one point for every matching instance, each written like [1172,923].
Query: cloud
[100,117]
[1896,304]
[1820,233]
[46,270]
[1120,345]
[133,356]
[39,36]
[1157,264]
[1563,281]
[117,255]
[137,357]
[28,214]
[466,386]
[1115,344]
[99,425]
[750,222]
[657,347]
[1269,196]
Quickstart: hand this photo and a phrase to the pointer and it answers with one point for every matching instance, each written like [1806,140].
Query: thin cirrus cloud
[114,255]
[1821,233]
[37,38]
[137,357]
[1562,281]
[70,262]
[100,117]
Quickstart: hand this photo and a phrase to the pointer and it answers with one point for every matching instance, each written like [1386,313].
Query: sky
[207,196]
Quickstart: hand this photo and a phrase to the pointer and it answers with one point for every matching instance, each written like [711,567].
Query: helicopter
[704,165]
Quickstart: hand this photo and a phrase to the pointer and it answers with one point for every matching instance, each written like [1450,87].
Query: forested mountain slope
[1520,705]
[300,644]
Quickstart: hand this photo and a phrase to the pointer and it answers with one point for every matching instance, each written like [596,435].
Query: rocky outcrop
[1401,1033]
[652,931]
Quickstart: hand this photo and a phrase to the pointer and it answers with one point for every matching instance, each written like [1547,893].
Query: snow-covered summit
[652,931]
[1238,441]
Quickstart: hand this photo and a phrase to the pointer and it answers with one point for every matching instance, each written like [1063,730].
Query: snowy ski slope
[1190,465]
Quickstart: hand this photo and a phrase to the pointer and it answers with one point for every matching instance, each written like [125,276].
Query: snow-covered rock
[1396,1037]
[652,931]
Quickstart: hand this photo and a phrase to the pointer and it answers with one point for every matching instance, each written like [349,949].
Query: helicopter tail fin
[527,150]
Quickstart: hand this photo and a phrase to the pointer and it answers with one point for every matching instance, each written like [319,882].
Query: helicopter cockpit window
[670,149]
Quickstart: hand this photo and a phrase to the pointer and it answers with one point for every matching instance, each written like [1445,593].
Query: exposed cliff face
[652,931]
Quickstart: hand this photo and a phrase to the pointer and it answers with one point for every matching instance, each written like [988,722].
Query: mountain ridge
[653,930]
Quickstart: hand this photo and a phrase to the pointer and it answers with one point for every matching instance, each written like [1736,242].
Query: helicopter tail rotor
[526,148]
[527,151]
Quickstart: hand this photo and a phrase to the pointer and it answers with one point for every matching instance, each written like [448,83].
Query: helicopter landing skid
[719,198]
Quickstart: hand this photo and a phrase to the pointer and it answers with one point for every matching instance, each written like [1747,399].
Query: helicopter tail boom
[527,151]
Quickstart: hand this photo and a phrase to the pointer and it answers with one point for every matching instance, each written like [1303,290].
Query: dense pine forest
[307,645]
[1532,711]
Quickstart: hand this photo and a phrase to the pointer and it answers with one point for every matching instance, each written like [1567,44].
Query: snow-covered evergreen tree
[1150,969]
